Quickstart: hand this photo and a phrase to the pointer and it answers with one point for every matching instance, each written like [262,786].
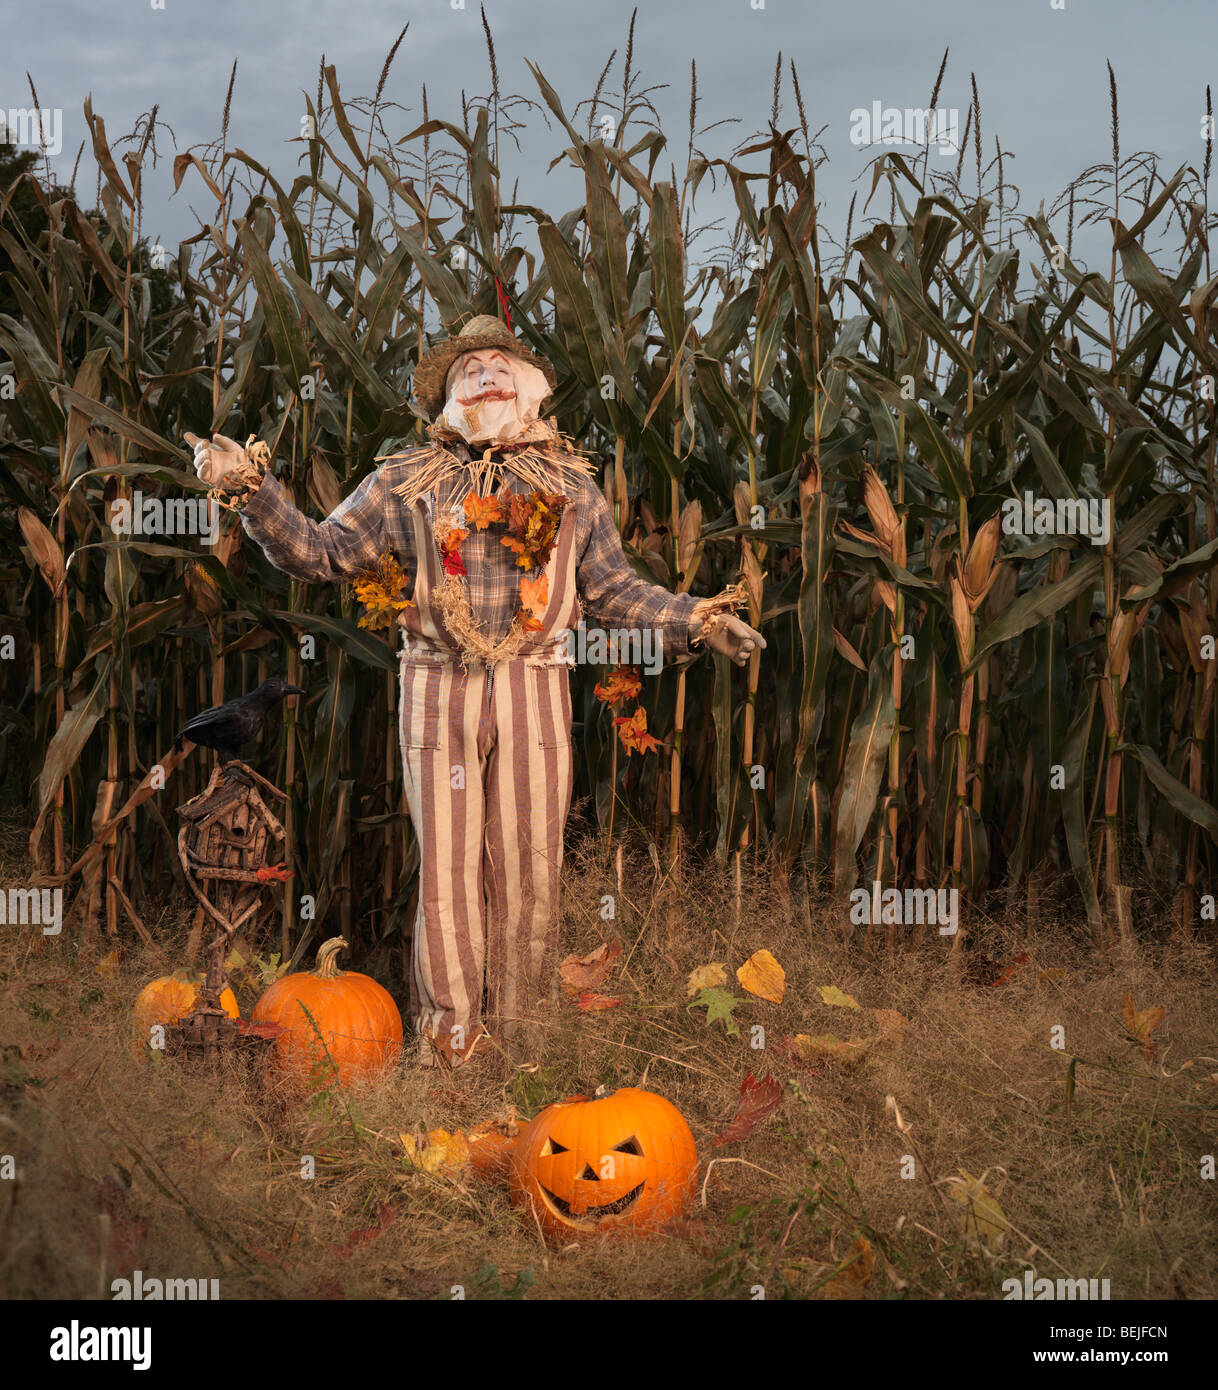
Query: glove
[215,459]
[734,638]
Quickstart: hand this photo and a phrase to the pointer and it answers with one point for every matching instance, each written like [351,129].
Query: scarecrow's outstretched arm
[349,540]
[614,594]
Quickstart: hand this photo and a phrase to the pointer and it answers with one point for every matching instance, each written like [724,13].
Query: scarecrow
[510,540]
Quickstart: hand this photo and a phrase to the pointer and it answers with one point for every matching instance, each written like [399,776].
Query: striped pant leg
[441,711]
[529,779]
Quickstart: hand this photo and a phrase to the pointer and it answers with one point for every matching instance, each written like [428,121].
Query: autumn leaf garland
[532,523]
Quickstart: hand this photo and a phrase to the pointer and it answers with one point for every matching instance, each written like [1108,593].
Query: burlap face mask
[492,408]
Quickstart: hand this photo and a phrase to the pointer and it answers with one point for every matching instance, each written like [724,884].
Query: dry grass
[125,1164]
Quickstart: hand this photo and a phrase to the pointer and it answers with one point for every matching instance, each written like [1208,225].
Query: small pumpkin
[171,997]
[490,1147]
[621,1161]
[356,1018]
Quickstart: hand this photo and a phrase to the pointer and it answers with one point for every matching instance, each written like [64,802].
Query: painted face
[483,376]
[625,1161]
[492,396]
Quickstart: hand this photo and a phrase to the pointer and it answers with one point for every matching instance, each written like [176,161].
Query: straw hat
[482,331]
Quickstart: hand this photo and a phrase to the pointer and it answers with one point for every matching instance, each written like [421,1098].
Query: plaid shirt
[373,520]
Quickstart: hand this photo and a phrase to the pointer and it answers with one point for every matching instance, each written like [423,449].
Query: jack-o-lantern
[622,1161]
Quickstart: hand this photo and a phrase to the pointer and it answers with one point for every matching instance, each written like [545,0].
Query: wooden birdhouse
[224,842]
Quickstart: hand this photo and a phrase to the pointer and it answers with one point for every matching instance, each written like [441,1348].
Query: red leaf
[260,1030]
[125,1232]
[1013,969]
[594,1003]
[757,1099]
[385,1218]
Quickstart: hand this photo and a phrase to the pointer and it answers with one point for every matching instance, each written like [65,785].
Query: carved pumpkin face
[624,1160]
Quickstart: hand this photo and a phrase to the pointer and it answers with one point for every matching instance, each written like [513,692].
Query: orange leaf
[892,1024]
[380,591]
[481,512]
[523,559]
[449,539]
[586,972]
[825,1047]
[594,1003]
[534,593]
[1012,970]
[622,684]
[1141,1024]
[854,1274]
[633,733]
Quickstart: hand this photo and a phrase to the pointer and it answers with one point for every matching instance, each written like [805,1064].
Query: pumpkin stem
[327,958]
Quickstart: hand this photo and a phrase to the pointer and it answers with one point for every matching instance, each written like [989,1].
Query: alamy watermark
[1030,1287]
[34,126]
[140,1289]
[166,516]
[909,907]
[878,124]
[1063,516]
[39,907]
[77,1343]
[617,646]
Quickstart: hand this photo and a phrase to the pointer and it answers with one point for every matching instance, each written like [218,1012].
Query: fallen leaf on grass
[125,1232]
[437,1151]
[854,1274]
[696,1232]
[832,995]
[589,1003]
[581,973]
[706,977]
[1012,970]
[757,1100]
[984,1219]
[826,1047]
[763,976]
[1141,1024]
[718,1004]
[892,1024]
[275,1255]
[344,1248]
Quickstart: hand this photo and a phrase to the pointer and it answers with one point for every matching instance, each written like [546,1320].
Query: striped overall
[487,762]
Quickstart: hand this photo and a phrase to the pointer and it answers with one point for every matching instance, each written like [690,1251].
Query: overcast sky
[1040,72]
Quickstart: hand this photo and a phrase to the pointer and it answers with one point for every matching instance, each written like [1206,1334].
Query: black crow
[229,726]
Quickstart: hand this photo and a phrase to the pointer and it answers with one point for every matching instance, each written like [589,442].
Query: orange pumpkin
[622,1161]
[356,1018]
[490,1147]
[171,997]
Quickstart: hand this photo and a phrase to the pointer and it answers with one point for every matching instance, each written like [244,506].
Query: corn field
[837,420]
